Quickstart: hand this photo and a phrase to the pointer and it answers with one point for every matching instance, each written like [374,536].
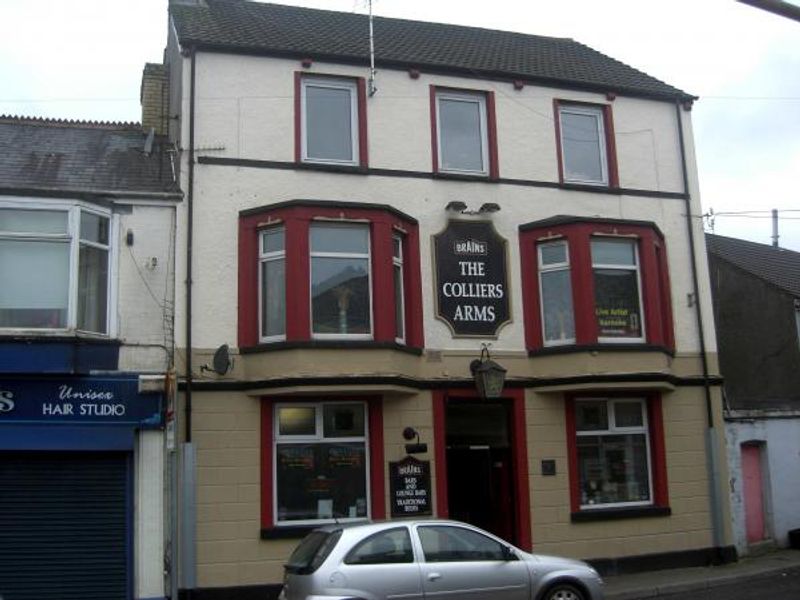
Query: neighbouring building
[756,291]
[351,239]
[87,226]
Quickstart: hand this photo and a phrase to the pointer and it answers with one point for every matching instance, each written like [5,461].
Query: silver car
[428,560]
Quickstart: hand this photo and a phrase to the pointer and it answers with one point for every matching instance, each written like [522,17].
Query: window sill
[332,167]
[332,345]
[608,347]
[613,514]
[51,336]
[462,176]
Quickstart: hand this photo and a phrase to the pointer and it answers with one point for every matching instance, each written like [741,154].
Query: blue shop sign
[79,401]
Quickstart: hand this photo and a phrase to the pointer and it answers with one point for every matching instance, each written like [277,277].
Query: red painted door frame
[519,456]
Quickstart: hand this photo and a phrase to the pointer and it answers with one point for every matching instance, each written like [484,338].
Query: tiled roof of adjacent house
[274,29]
[59,156]
[778,266]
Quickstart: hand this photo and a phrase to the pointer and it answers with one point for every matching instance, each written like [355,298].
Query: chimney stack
[154,98]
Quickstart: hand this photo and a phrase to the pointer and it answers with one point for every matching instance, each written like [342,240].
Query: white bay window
[55,267]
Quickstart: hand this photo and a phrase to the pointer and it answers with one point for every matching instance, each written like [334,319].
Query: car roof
[365,527]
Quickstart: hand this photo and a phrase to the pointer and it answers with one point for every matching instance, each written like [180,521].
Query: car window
[442,543]
[312,551]
[392,546]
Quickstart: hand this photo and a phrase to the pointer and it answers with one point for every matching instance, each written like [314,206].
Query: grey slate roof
[274,29]
[42,155]
[778,266]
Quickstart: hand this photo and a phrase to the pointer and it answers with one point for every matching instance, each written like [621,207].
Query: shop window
[590,282]
[586,152]
[321,462]
[617,454]
[330,120]
[55,267]
[464,132]
[329,272]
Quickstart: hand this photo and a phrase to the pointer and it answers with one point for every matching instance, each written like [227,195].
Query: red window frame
[658,458]
[361,96]
[610,143]
[376,473]
[491,130]
[656,304]
[296,219]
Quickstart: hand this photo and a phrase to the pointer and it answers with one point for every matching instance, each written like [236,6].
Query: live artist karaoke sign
[471,278]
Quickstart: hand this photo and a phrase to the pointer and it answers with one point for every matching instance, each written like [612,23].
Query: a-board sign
[410,487]
[472,295]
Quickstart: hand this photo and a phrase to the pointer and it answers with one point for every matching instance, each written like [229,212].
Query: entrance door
[753,493]
[480,481]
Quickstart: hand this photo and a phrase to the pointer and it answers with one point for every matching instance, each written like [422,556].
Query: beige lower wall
[226,431]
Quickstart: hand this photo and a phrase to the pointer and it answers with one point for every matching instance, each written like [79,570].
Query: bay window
[55,268]
[326,274]
[589,282]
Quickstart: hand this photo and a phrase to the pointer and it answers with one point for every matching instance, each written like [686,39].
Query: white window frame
[399,241]
[338,84]
[644,428]
[263,258]
[312,255]
[478,98]
[564,266]
[318,437]
[638,269]
[598,112]
[73,209]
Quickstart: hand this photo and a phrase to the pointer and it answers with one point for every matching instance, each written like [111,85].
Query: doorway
[480,470]
[755,525]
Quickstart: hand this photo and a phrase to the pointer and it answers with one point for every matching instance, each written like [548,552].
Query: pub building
[463,286]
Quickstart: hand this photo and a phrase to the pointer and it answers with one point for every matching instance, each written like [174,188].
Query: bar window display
[321,463]
[617,290]
[613,453]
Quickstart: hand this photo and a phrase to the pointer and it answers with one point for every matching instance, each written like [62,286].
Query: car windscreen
[312,551]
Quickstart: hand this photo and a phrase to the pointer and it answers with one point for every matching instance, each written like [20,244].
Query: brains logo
[6,402]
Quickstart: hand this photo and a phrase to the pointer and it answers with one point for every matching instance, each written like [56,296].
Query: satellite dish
[221,363]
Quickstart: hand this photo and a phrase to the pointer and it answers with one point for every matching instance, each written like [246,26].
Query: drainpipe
[712,452]
[189,242]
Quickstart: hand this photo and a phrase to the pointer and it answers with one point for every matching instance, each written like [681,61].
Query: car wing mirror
[508,553]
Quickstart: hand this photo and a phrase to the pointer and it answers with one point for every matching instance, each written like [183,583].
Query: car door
[382,566]
[460,562]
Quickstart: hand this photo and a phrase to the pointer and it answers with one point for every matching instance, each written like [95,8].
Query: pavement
[653,584]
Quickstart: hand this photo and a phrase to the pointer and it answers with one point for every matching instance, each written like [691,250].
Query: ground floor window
[617,454]
[320,461]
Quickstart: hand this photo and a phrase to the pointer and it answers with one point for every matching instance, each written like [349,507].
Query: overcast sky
[82,59]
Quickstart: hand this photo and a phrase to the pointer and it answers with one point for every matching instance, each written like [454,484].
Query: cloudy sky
[82,59]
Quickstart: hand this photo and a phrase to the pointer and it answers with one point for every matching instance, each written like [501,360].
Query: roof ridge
[763,245]
[64,122]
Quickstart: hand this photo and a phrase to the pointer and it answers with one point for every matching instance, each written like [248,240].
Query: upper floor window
[595,281]
[331,121]
[586,147]
[344,272]
[464,137]
[615,266]
[555,289]
[340,280]
[272,275]
[54,265]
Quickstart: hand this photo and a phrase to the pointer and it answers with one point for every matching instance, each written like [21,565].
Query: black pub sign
[471,278]
[410,487]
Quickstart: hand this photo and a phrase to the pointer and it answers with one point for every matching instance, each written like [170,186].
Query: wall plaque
[470,261]
[410,487]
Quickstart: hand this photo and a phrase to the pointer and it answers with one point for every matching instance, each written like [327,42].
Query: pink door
[753,493]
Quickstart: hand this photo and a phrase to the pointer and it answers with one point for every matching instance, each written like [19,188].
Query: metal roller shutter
[63,526]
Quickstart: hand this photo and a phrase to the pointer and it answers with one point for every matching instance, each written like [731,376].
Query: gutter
[712,459]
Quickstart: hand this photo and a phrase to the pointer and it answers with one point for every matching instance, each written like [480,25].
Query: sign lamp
[489,376]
